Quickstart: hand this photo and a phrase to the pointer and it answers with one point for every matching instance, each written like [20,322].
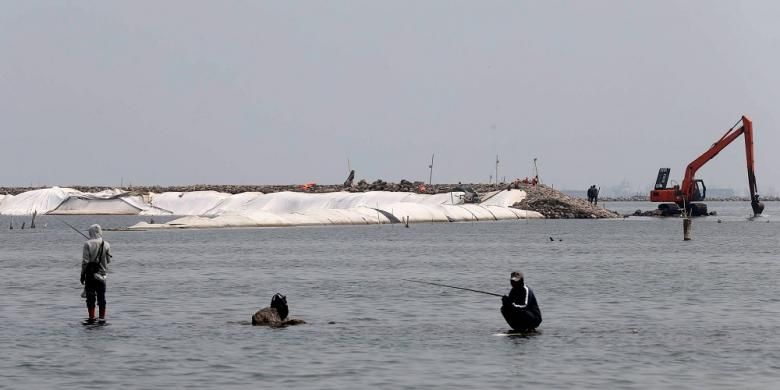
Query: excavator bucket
[757,206]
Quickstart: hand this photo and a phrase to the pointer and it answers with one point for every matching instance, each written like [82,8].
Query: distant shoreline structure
[284,205]
[640,198]
[307,207]
[378,185]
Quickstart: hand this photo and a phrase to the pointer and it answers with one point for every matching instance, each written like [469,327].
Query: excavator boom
[689,190]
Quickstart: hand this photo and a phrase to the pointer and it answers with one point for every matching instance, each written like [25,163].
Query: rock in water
[275,315]
[267,316]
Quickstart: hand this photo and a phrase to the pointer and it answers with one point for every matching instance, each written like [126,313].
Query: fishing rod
[459,288]
[74,229]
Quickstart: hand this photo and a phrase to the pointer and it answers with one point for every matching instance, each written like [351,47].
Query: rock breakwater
[361,186]
[542,199]
[554,204]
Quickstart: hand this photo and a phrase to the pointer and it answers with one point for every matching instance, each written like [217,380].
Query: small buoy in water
[634,331]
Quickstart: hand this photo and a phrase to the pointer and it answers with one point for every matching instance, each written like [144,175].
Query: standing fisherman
[95,260]
[519,308]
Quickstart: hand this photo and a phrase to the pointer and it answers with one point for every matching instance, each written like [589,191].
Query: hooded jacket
[91,251]
[523,312]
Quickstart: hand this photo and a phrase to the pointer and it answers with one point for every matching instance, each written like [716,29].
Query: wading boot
[102,318]
[91,319]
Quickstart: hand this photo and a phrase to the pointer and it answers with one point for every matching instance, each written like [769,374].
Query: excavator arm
[687,191]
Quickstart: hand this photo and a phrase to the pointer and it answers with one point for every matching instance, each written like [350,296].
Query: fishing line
[74,229]
[455,287]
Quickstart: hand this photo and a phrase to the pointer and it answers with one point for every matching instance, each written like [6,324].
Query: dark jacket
[593,193]
[522,312]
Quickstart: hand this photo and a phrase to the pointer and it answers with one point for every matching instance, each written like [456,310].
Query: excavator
[681,198]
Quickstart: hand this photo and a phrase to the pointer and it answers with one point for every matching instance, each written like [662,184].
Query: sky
[284,92]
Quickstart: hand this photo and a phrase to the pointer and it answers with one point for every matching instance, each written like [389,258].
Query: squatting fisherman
[94,264]
[519,308]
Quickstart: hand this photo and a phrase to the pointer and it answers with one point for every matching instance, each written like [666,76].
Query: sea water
[626,304]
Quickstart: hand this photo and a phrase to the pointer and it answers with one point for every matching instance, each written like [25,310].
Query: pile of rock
[403,186]
[648,213]
[361,186]
[555,204]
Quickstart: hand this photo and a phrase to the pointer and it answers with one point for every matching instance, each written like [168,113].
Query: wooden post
[687,227]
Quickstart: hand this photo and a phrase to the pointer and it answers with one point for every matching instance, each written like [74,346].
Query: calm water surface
[626,304]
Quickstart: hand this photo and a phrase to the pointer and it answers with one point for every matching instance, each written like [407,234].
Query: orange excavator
[682,197]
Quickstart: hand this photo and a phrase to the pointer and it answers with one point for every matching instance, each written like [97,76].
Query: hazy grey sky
[185,92]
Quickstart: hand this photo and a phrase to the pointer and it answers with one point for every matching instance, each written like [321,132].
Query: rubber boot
[91,318]
[102,317]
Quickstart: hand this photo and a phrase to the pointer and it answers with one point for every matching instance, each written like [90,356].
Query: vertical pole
[536,172]
[496,170]
[430,177]
[687,227]
[598,191]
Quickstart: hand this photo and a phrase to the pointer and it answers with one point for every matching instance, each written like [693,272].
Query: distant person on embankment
[94,264]
[593,195]
[519,308]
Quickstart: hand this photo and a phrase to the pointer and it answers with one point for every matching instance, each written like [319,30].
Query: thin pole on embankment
[430,176]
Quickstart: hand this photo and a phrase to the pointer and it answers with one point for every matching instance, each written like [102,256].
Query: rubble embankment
[361,186]
[554,204]
[226,188]
[543,199]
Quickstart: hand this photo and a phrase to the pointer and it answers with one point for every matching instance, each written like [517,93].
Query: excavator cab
[699,191]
